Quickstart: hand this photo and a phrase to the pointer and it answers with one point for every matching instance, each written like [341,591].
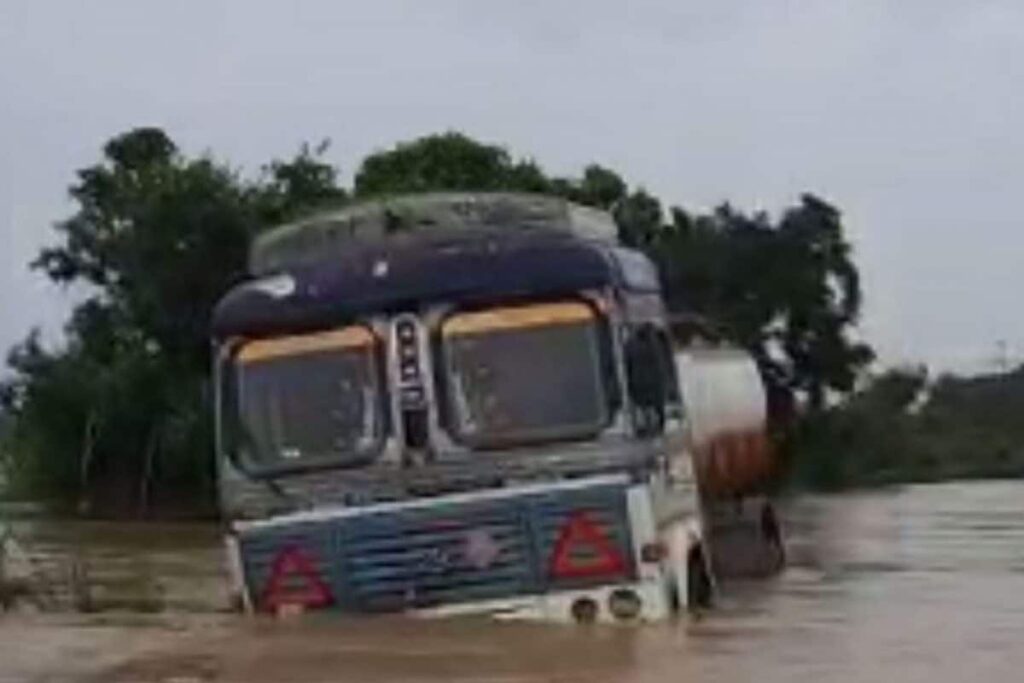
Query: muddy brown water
[923,583]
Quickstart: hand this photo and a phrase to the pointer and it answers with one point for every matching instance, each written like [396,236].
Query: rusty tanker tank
[726,407]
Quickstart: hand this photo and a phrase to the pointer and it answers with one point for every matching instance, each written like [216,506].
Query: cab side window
[652,380]
[673,393]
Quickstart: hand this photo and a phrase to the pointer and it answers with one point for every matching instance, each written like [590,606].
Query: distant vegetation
[905,427]
[118,419]
[5,452]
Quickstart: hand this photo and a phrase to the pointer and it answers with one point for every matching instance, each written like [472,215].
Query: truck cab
[469,404]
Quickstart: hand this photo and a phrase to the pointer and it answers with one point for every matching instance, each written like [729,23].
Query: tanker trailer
[733,459]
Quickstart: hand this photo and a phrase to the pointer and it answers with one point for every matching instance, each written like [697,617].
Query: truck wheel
[236,603]
[698,582]
[772,533]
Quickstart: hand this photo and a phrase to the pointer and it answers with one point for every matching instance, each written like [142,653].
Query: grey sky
[907,114]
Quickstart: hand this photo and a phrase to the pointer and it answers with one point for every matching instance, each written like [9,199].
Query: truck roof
[387,276]
[430,217]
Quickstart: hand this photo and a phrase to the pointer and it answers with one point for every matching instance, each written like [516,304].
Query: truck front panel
[482,546]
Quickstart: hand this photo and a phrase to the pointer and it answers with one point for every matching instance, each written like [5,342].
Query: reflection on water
[922,583]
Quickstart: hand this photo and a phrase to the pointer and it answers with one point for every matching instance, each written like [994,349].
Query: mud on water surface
[915,584]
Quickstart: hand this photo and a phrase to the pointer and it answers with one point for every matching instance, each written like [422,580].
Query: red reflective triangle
[313,593]
[581,529]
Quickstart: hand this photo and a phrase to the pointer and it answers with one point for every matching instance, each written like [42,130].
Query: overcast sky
[909,115]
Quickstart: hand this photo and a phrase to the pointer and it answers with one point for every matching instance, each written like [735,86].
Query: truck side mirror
[648,385]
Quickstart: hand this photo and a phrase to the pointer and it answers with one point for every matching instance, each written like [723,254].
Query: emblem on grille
[480,549]
[436,561]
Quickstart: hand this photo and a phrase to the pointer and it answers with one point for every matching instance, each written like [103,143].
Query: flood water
[923,583]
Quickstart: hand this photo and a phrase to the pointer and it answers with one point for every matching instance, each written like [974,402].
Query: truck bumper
[593,605]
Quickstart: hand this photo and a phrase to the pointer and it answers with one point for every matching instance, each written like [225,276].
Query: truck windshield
[525,374]
[312,399]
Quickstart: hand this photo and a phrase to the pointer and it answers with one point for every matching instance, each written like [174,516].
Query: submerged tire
[699,589]
[772,533]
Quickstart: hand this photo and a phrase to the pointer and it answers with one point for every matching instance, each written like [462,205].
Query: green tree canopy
[155,240]
[157,236]
[787,289]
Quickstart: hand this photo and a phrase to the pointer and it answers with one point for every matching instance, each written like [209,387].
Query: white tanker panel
[726,410]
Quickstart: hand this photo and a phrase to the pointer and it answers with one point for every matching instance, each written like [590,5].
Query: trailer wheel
[698,581]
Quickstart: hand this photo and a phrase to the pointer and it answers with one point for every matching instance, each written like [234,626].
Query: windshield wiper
[248,442]
[293,500]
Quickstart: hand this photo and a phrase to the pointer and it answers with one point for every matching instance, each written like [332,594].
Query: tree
[156,238]
[450,161]
[788,291]
[785,289]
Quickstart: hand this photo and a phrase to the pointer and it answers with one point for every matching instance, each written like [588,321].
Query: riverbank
[76,565]
[14,505]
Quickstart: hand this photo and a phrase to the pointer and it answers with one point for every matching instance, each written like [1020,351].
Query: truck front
[446,425]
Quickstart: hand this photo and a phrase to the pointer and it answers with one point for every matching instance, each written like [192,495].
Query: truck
[476,403]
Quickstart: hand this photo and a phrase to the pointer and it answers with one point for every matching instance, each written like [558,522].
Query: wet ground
[924,583]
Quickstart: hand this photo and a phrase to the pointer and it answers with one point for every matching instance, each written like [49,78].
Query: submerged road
[923,583]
